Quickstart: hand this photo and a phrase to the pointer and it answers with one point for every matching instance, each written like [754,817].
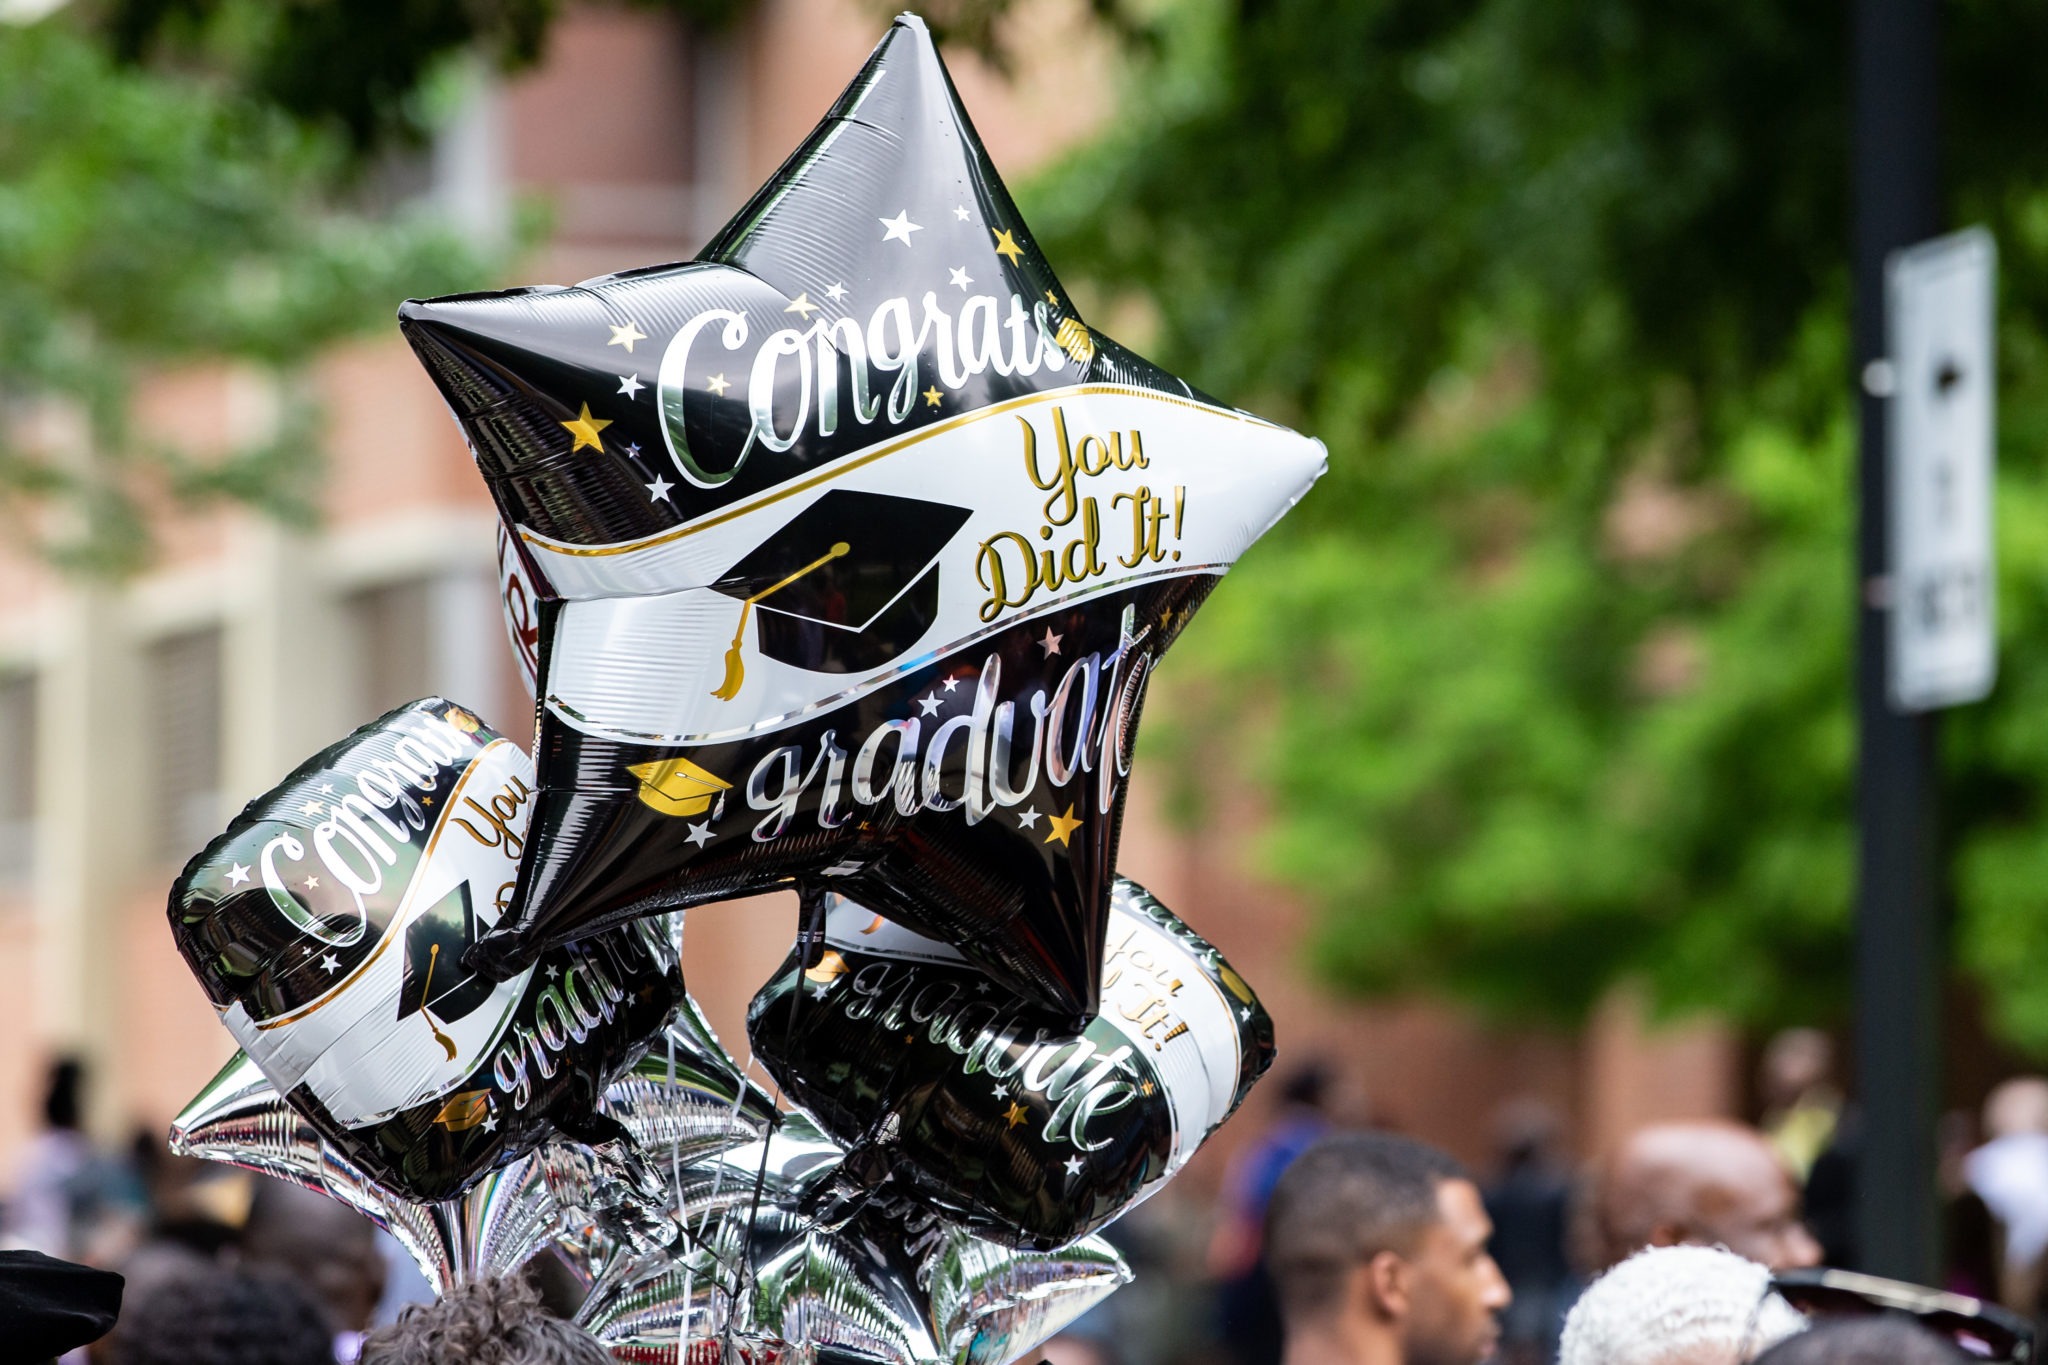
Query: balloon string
[735,665]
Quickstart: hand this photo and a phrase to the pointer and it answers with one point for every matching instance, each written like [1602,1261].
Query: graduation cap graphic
[435,983]
[850,583]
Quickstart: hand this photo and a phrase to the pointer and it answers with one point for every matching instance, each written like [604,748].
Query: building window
[437,635]
[184,689]
[393,627]
[17,778]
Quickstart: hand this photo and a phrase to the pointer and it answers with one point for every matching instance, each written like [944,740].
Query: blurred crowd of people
[1333,1242]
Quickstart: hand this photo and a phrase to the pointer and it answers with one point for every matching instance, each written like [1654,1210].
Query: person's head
[1795,1062]
[64,1096]
[491,1322]
[1867,1341]
[1677,1306]
[1702,1183]
[2017,1106]
[1375,1236]
[325,1245]
[219,1315]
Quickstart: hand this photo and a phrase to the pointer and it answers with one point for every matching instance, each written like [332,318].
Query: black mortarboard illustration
[434,981]
[846,585]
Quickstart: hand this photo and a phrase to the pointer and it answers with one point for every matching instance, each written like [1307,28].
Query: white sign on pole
[1940,381]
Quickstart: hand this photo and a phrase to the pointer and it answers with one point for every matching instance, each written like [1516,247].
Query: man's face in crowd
[1456,1288]
[1753,1210]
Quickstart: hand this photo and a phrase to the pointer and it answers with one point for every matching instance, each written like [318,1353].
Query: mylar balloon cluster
[843,553]
[838,560]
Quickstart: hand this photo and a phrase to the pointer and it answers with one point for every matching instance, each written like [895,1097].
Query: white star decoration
[237,875]
[949,684]
[1028,818]
[553,971]
[700,833]
[928,705]
[658,490]
[1002,1092]
[1075,1165]
[327,789]
[835,291]
[961,213]
[633,449]
[315,807]
[625,336]
[330,963]
[1051,643]
[899,228]
[981,988]
[961,277]
[491,1124]
[630,385]
[312,883]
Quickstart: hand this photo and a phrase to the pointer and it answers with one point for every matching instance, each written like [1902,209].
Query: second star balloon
[856,573]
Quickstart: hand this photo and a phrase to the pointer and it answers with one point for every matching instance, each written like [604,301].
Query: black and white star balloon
[854,547]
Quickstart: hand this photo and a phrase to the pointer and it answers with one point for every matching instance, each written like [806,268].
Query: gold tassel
[735,665]
[433,960]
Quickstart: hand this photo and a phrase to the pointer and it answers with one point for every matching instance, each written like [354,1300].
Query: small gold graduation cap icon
[829,966]
[465,1110]
[676,786]
[846,585]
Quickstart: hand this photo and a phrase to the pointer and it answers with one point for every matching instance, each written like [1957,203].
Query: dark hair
[1864,1341]
[1309,1086]
[221,1316]
[1343,1201]
[62,1102]
[491,1322]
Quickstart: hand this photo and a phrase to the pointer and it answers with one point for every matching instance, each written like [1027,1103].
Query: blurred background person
[1874,1341]
[1706,1182]
[1528,1200]
[223,1315]
[326,1247]
[1677,1305]
[2010,1174]
[1377,1247]
[1802,1104]
[1247,1315]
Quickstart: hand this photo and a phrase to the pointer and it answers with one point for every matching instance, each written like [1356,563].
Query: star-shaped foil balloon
[854,546]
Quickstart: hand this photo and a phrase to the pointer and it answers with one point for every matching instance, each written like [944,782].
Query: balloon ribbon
[735,669]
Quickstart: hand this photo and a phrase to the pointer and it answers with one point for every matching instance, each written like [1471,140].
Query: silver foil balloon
[683,1102]
[763,1280]
[492,1228]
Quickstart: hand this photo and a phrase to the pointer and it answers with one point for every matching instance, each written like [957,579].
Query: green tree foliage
[150,219]
[1551,673]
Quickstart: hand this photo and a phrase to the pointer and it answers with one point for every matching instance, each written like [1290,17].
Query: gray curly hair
[1678,1306]
[491,1322]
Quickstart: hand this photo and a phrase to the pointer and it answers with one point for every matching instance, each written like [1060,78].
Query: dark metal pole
[1898,937]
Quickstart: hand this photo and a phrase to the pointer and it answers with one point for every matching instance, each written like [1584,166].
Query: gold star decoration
[1052,298]
[625,336]
[585,428]
[1015,1114]
[802,306]
[716,383]
[1063,826]
[932,396]
[1006,245]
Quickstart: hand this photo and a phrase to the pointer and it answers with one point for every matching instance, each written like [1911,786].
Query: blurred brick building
[134,720]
